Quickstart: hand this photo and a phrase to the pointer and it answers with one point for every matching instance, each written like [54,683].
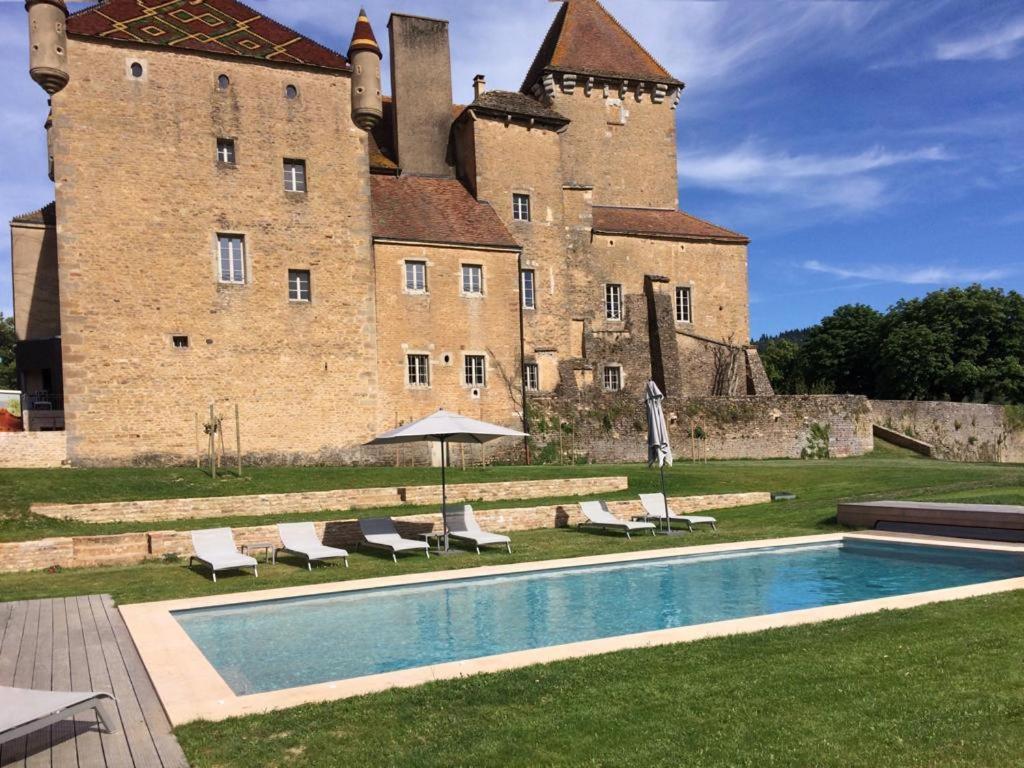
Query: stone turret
[48,43]
[365,56]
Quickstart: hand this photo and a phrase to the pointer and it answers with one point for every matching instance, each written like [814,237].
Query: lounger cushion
[20,706]
[321,552]
[481,537]
[226,561]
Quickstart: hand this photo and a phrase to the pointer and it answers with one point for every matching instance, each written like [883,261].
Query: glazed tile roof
[502,103]
[588,40]
[661,223]
[434,210]
[363,38]
[47,215]
[226,27]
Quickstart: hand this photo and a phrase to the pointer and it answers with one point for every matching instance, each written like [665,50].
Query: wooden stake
[212,447]
[238,440]
[198,457]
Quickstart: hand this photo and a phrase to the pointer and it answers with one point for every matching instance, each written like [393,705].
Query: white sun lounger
[301,539]
[654,509]
[380,532]
[216,549]
[23,711]
[598,516]
[463,525]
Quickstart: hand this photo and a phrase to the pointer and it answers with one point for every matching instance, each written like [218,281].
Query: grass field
[939,685]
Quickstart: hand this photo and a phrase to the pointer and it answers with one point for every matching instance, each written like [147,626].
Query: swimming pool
[272,645]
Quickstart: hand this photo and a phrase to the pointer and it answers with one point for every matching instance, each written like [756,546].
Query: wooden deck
[82,644]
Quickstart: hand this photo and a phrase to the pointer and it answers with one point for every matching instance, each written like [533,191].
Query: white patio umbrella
[445,427]
[658,449]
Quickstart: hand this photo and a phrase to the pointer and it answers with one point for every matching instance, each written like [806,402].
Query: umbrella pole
[444,492]
[664,498]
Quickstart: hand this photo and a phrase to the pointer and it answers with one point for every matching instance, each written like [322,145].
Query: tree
[781,360]
[8,375]
[839,355]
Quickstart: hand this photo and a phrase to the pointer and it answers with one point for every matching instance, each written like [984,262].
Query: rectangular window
[298,285]
[416,276]
[475,376]
[472,278]
[529,292]
[531,377]
[180,342]
[294,175]
[419,370]
[232,258]
[226,151]
[684,305]
[521,207]
[613,302]
[612,378]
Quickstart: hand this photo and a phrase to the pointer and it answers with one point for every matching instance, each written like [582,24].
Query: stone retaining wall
[161,510]
[133,548]
[33,450]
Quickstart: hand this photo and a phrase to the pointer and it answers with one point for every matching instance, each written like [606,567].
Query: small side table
[437,537]
[266,546]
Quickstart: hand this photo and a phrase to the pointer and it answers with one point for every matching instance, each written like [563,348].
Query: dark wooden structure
[990,522]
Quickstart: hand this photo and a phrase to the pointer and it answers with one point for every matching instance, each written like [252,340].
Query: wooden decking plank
[62,735]
[11,644]
[37,747]
[15,751]
[136,729]
[115,745]
[87,743]
[170,752]
[5,615]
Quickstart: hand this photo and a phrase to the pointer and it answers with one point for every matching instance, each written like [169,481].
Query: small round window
[136,69]
[291,92]
[223,82]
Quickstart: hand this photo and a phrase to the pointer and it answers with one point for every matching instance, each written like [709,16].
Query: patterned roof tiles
[225,27]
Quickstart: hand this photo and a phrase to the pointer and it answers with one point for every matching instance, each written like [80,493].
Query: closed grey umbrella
[659,451]
[444,427]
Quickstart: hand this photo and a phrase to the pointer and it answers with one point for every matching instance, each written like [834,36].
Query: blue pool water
[280,644]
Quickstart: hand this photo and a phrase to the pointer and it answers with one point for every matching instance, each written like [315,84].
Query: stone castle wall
[955,431]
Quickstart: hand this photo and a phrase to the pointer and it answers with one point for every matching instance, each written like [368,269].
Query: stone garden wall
[33,450]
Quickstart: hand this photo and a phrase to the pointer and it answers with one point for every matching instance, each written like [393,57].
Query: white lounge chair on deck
[24,711]
[216,549]
[380,532]
[462,525]
[654,509]
[599,516]
[301,539]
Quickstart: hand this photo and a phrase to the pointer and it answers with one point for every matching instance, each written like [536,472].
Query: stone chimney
[479,86]
[421,79]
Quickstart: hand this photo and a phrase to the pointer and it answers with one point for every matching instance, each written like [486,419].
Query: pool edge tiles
[191,689]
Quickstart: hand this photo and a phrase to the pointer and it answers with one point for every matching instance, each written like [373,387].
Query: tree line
[959,344]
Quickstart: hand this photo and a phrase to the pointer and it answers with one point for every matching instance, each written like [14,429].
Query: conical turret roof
[587,40]
[363,38]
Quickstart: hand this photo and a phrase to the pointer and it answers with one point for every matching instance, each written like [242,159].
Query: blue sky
[871,150]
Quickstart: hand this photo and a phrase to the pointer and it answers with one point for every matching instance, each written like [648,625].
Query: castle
[241,217]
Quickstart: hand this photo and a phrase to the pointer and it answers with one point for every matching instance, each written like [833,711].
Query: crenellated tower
[364,55]
[48,43]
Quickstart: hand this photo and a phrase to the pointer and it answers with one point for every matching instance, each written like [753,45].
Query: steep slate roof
[45,216]
[226,27]
[433,210]
[502,103]
[651,222]
[584,38]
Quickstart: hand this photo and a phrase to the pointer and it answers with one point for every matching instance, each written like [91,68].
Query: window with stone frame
[475,371]
[531,377]
[226,151]
[684,304]
[472,279]
[529,289]
[416,276]
[419,370]
[613,301]
[299,285]
[294,175]
[612,378]
[520,207]
[231,253]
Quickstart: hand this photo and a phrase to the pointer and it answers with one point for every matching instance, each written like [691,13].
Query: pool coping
[191,689]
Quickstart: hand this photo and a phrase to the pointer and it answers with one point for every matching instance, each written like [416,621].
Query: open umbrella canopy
[448,427]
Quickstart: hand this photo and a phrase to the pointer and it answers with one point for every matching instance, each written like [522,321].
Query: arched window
[136,69]
[291,92]
[223,82]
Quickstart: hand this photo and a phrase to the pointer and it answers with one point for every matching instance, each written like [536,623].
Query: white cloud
[1000,44]
[845,182]
[934,275]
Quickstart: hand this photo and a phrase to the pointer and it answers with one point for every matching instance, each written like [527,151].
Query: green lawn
[939,685]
